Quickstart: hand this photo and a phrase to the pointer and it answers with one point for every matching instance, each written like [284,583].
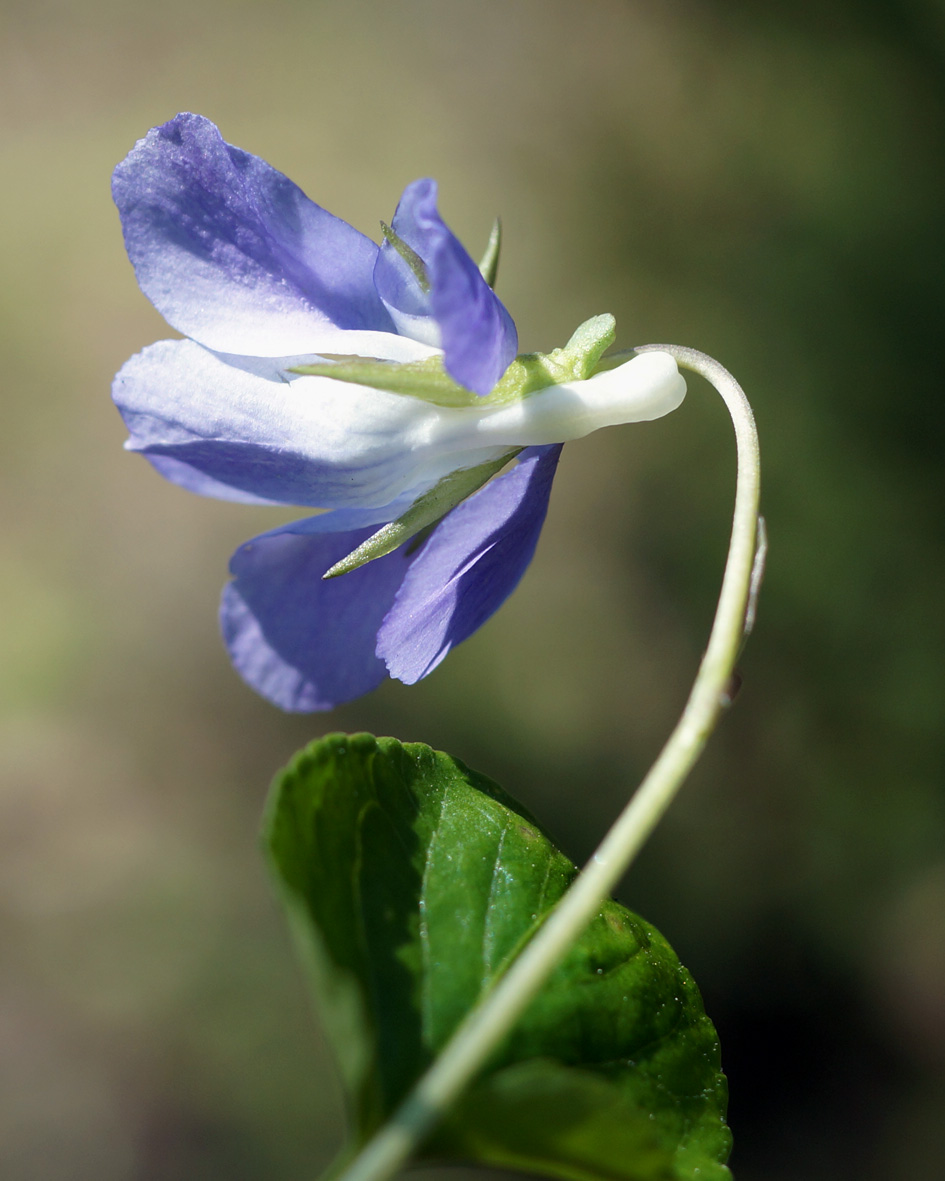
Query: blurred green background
[765,182]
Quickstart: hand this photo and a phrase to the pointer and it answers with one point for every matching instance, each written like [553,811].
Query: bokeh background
[765,182]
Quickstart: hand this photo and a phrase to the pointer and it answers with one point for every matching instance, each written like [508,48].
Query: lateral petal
[245,429]
[470,564]
[233,254]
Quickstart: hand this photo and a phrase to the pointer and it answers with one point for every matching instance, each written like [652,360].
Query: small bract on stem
[487,1024]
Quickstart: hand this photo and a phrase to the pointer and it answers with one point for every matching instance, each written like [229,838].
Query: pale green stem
[490,1020]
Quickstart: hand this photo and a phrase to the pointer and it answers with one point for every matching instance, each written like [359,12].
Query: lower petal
[471,563]
[302,643]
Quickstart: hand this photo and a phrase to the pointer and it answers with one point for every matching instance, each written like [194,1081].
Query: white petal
[270,436]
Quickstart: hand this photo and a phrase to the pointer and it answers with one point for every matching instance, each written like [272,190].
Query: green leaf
[411,882]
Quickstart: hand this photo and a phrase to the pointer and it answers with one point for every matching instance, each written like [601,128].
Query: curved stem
[490,1020]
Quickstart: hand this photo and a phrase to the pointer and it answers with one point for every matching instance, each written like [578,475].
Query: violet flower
[380,383]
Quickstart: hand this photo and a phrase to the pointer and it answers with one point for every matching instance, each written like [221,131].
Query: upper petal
[303,643]
[469,566]
[232,253]
[244,429]
[475,331]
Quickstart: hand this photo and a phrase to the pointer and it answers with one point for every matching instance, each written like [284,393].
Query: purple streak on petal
[184,475]
[471,563]
[303,643]
[231,252]
[477,334]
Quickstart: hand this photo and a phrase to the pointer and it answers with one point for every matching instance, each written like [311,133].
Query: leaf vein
[426,953]
[488,933]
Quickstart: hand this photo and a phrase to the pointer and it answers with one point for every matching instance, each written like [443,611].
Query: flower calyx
[428,380]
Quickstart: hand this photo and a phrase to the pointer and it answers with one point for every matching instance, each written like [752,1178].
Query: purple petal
[303,643]
[232,253]
[471,563]
[476,333]
[185,475]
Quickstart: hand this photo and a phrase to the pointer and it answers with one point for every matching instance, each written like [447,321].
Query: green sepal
[425,510]
[411,258]
[489,264]
[429,381]
[410,882]
[426,379]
